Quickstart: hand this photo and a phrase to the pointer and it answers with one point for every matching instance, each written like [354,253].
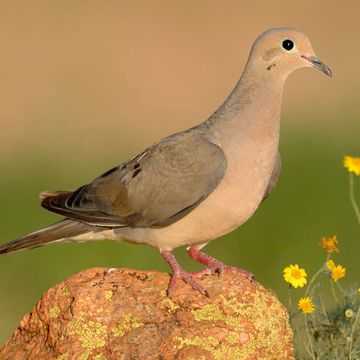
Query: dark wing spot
[136,166]
[107,173]
[136,172]
[270,67]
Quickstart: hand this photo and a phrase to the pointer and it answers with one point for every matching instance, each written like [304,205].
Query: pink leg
[216,265]
[180,273]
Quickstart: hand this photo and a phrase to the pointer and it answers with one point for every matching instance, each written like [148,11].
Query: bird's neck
[252,109]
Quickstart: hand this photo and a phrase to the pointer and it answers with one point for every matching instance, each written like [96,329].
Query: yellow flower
[352,164]
[295,276]
[338,272]
[330,243]
[306,305]
[330,264]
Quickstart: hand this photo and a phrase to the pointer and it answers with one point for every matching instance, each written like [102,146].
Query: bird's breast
[249,170]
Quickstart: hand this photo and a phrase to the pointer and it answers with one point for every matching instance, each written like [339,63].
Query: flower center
[296,274]
[356,161]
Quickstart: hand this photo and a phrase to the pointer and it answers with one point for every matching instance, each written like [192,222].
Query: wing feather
[156,188]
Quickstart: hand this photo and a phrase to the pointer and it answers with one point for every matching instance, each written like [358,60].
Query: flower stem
[312,280]
[340,288]
[311,351]
[333,291]
[352,198]
[289,294]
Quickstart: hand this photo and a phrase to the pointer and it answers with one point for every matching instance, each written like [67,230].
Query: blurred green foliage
[311,200]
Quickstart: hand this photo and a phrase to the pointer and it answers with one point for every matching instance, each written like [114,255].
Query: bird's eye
[288,44]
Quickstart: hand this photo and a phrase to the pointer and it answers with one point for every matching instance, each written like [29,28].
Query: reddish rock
[125,314]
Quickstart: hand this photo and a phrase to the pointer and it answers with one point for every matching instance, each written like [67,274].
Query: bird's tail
[65,229]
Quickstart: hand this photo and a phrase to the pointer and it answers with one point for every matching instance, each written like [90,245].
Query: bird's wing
[156,188]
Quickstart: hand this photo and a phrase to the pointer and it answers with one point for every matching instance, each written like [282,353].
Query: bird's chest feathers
[250,164]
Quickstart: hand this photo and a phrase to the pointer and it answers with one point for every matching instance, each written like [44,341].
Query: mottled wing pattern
[156,188]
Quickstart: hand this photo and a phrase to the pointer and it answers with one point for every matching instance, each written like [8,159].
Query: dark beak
[318,64]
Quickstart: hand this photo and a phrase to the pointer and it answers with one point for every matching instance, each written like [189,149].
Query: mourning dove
[196,185]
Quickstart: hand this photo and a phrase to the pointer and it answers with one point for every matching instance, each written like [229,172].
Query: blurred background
[84,85]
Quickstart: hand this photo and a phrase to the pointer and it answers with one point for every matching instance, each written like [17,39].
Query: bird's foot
[187,278]
[180,273]
[216,265]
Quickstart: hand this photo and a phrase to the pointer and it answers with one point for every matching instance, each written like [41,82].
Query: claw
[216,265]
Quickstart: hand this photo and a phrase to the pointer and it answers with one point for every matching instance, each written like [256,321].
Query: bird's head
[284,50]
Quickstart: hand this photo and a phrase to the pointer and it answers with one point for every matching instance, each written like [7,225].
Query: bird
[196,185]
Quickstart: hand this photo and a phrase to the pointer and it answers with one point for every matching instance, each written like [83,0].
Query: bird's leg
[180,273]
[215,265]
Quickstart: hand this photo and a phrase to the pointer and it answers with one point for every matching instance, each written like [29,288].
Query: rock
[125,314]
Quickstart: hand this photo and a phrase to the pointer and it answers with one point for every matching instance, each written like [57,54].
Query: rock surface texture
[125,314]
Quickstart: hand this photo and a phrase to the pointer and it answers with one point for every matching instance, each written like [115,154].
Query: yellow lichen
[66,292]
[85,355]
[100,357]
[227,352]
[267,324]
[233,304]
[99,310]
[213,312]
[92,334]
[128,324]
[172,307]
[54,312]
[63,357]
[118,331]
[209,312]
[205,343]
[108,294]
[151,276]
[232,337]
[219,351]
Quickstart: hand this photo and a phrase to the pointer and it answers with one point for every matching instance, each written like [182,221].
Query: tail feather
[60,230]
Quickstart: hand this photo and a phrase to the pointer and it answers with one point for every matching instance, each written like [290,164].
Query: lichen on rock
[54,311]
[104,315]
[127,325]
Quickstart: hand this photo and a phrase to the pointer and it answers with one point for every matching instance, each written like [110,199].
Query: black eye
[287,44]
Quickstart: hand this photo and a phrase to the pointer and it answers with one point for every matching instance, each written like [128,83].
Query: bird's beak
[314,61]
